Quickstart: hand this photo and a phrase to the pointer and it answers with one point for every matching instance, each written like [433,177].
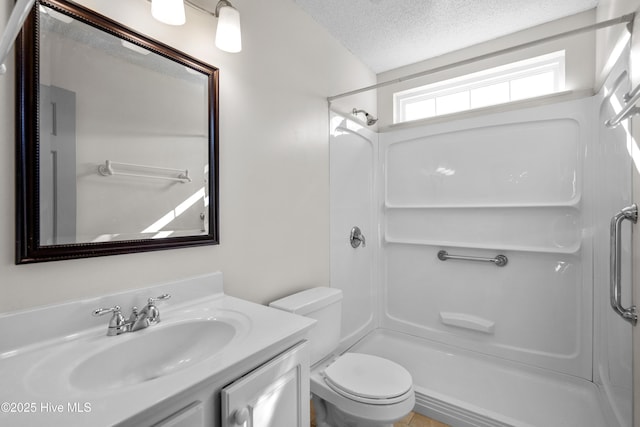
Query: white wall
[274,162]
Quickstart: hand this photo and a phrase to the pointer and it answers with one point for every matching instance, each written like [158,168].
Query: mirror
[117,140]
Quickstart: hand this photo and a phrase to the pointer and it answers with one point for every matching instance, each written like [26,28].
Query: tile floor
[417,420]
[411,420]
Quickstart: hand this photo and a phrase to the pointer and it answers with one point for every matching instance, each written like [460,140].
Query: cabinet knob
[241,416]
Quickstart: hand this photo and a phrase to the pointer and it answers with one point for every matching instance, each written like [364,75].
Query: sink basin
[151,353]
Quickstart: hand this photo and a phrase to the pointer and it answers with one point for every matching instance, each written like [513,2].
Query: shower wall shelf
[573,203]
[468,321]
[153,172]
[539,229]
[573,250]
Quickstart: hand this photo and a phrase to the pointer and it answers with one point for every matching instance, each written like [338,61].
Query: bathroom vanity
[211,360]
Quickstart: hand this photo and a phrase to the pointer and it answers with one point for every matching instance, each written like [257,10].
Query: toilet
[353,389]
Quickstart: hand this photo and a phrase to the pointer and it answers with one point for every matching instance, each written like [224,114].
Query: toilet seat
[368,379]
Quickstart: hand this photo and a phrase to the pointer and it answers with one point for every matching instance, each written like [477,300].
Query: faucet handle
[102,311]
[117,324]
[162,297]
[153,314]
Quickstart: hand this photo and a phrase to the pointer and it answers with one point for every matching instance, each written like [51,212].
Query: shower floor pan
[467,389]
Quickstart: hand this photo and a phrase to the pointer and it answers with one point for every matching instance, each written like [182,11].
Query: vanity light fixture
[228,33]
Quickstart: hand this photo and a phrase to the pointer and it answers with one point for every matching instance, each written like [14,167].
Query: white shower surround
[510,184]
[415,191]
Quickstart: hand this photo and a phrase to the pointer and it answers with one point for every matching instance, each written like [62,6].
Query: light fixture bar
[200,8]
[220,4]
[228,32]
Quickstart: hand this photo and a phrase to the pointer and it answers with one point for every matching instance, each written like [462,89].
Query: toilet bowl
[359,390]
[352,389]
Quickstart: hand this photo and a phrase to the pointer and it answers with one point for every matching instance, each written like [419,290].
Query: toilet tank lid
[308,301]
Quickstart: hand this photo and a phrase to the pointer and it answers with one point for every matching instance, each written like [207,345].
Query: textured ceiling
[387,34]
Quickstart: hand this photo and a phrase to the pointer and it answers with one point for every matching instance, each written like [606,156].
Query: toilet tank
[324,305]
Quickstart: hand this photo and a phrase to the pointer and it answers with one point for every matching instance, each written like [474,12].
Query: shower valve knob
[356,238]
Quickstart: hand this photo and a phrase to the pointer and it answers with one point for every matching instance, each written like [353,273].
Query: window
[530,78]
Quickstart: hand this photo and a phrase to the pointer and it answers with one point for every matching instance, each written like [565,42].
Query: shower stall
[486,266]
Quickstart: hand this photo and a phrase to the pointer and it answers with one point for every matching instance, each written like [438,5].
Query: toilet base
[329,415]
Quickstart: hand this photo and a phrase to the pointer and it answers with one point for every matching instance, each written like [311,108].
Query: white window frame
[552,62]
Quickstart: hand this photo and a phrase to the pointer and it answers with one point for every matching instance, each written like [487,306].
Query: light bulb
[168,11]
[228,35]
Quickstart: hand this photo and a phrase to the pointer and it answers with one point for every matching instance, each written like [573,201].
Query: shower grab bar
[629,95]
[628,110]
[499,260]
[106,169]
[615,265]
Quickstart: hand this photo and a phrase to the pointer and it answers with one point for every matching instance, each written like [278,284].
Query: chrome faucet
[149,315]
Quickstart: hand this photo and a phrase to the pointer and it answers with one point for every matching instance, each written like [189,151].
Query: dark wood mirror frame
[28,247]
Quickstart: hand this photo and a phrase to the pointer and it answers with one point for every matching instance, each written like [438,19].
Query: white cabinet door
[274,395]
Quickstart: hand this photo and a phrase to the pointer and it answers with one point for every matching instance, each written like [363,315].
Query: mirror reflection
[125,136]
